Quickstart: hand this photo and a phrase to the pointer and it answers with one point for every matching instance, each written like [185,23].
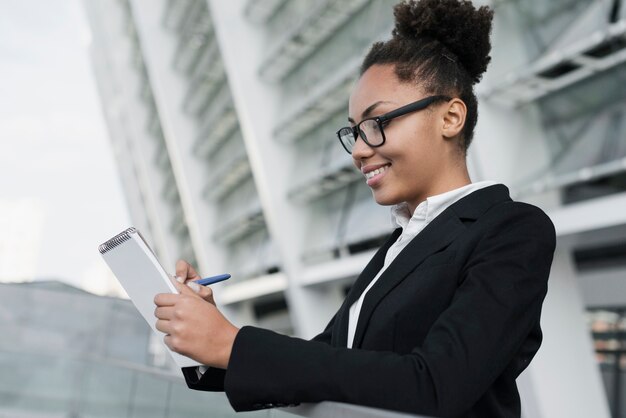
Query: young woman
[446,315]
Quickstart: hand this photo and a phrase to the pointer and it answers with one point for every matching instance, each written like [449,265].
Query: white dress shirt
[411,226]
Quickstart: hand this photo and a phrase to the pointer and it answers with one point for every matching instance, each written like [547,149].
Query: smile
[373,173]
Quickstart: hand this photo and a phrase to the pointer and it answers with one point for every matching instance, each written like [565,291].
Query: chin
[384,199]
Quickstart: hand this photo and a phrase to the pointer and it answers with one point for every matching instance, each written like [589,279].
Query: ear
[454,116]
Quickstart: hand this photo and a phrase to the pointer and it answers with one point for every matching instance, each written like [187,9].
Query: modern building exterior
[222,115]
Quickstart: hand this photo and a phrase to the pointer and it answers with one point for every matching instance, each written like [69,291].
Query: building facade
[222,115]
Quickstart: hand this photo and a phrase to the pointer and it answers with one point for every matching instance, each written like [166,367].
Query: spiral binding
[116,240]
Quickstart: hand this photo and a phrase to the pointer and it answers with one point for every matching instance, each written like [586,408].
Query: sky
[55,156]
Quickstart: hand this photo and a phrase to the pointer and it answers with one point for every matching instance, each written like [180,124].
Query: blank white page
[141,275]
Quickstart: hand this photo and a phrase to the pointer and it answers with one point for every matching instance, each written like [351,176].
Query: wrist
[228,346]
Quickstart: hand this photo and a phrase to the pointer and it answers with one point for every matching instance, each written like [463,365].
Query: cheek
[409,138]
[413,168]
[411,148]
[411,161]
[423,150]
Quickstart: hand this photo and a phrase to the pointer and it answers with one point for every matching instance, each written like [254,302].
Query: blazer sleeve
[213,379]
[494,309]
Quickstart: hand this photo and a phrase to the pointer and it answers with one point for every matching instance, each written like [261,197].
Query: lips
[374,173]
[371,167]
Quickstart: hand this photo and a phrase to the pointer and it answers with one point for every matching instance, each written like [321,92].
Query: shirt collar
[428,210]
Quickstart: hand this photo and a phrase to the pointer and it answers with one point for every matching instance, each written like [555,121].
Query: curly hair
[442,45]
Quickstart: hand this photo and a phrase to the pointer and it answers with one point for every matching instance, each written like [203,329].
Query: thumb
[183,289]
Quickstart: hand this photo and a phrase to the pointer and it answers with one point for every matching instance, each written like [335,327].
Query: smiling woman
[421,157]
[445,316]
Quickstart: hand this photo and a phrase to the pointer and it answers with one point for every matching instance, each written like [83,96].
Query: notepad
[136,267]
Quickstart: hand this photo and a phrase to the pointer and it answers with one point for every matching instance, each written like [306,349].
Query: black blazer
[445,331]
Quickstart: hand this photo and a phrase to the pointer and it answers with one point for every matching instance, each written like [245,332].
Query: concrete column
[190,172]
[564,379]
[141,147]
[510,146]
[257,107]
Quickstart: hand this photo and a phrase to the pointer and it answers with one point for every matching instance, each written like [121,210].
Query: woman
[446,315]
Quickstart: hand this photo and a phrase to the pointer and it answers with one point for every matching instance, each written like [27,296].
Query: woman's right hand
[185,273]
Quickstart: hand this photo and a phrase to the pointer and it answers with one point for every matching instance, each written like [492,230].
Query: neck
[455,179]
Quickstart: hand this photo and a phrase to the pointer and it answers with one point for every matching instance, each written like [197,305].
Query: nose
[361,151]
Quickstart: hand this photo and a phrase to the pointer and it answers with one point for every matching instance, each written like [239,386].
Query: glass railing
[57,385]
[335,409]
[93,387]
[70,353]
[59,356]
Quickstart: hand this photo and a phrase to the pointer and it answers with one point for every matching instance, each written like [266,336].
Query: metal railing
[343,410]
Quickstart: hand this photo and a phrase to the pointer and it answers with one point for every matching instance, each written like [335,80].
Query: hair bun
[456,24]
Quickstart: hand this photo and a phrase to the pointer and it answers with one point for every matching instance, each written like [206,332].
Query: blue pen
[210,280]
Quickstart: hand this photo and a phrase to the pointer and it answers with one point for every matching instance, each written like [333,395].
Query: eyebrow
[369,110]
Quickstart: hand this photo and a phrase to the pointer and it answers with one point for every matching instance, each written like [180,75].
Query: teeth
[375,172]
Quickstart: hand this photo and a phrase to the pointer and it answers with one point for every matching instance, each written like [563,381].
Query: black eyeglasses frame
[381,120]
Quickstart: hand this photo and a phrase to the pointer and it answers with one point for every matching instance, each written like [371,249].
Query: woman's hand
[194,328]
[186,274]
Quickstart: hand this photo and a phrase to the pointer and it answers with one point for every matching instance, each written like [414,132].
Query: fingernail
[194,286]
[179,279]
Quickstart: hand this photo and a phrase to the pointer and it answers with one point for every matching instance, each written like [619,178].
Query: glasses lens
[369,130]
[346,136]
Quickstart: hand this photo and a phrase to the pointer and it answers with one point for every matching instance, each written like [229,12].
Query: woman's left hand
[194,327]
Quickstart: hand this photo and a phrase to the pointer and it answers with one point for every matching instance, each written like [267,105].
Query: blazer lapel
[340,333]
[437,235]
[372,268]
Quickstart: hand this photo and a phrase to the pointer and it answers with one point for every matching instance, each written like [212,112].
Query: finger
[194,286]
[166,299]
[169,341]
[183,289]
[162,312]
[163,326]
[205,292]
[185,272]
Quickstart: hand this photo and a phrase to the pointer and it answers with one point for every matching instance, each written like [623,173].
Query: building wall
[248,95]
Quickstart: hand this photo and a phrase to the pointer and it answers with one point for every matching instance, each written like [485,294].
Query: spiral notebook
[136,267]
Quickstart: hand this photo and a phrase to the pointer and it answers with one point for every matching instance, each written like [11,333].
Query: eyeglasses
[371,129]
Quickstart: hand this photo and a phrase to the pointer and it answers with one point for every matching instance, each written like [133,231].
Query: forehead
[380,83]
